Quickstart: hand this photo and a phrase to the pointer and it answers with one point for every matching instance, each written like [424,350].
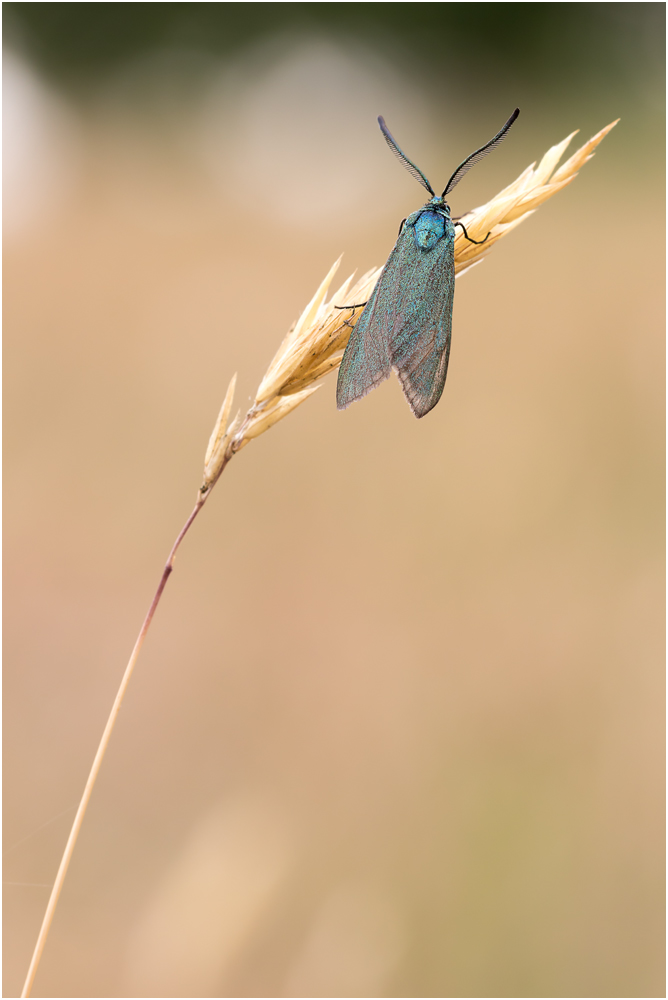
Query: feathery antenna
[409,165]
[471,160]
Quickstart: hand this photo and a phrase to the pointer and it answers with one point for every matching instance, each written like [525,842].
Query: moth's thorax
[430,224]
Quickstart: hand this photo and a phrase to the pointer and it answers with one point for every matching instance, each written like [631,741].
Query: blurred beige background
[397,729]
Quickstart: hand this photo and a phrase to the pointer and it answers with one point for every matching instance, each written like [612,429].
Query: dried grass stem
[311,350]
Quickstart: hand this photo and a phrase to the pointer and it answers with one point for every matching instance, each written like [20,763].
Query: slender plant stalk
[99,756]
[312,349]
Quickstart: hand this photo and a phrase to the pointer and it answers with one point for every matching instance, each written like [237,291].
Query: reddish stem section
[99,756]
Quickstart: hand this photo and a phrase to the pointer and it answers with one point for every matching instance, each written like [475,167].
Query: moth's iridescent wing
[406,326]
[420,337]
[366,361]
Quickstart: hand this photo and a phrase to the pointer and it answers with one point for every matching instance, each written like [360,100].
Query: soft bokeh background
[397,730]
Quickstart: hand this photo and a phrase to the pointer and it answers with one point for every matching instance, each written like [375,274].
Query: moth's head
[438,202]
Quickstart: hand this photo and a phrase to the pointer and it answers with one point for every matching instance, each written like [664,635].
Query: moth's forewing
[366,361]
[420,340]
[405,325]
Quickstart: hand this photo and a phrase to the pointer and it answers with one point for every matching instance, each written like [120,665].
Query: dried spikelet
[328,334]
[544,169]
[262,419]
[313,336]
[284,358]
[578,160]
[314,346]
[516,202]
[221,424]
[214,460]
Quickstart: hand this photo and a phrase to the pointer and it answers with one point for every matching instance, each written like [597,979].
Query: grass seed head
[516,202]
[314,345]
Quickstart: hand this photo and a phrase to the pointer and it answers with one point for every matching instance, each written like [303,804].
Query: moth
[406,324]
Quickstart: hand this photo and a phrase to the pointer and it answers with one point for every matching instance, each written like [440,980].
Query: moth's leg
[478,242]
[359,305]
[401,226]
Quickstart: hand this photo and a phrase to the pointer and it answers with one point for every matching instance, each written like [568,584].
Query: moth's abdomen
[428,229]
